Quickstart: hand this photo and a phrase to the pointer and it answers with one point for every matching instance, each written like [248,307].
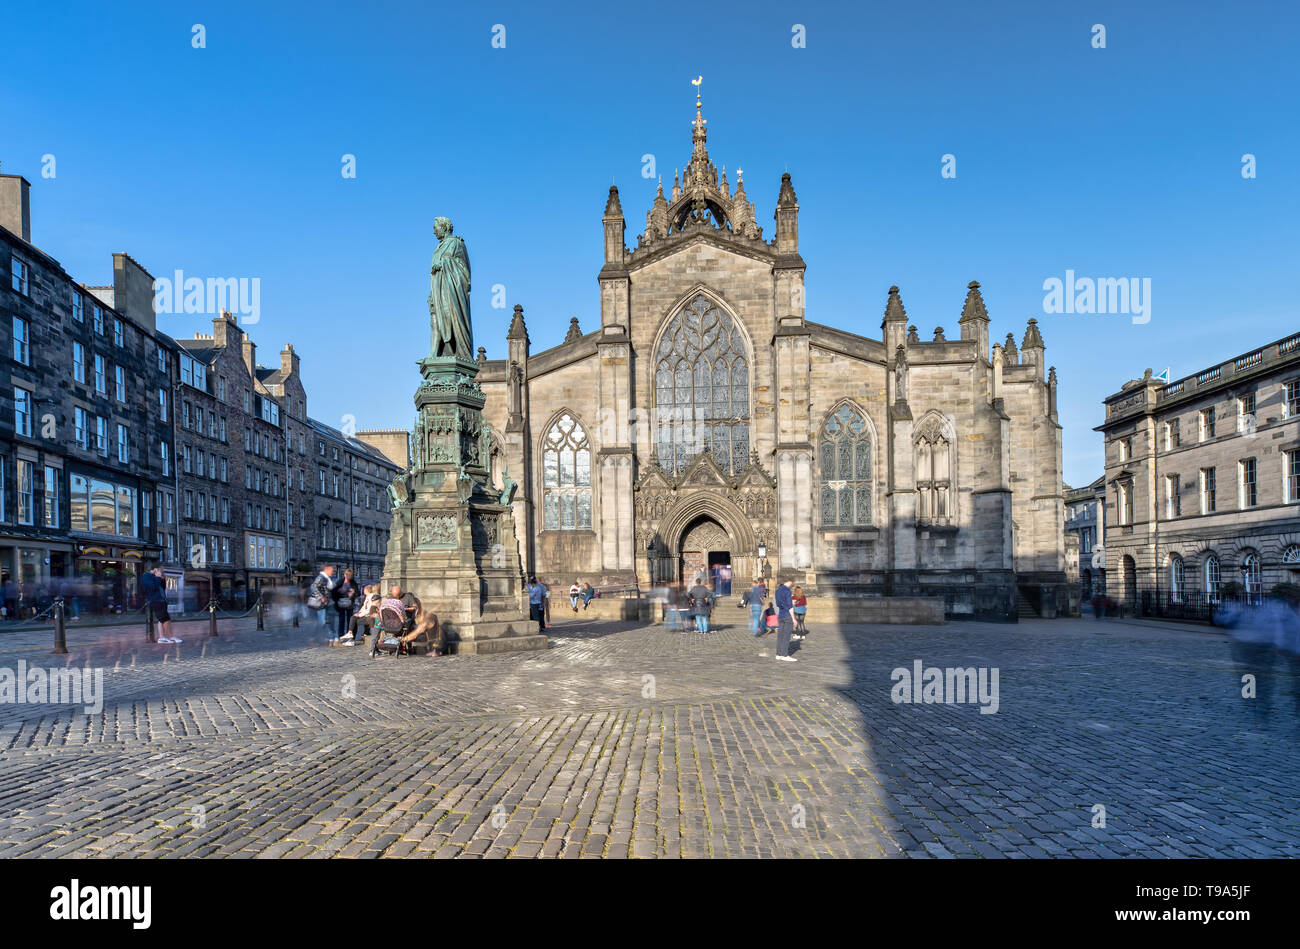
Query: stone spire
[1033,339]
[973,309]
[613,208]
[974,321]
[614,228]
[787,218]
[656,219]
[1032,347]
[894,312]
[517,328]
[700,171]
[1009,351]
[574,332]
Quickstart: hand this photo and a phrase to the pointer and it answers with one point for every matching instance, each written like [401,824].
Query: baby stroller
[389,628]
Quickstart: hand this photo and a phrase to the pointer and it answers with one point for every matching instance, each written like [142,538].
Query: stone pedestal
[452,541]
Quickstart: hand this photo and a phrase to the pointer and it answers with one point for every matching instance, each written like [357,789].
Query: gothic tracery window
[844,450]
[566,476]
[702,389]
[933,474]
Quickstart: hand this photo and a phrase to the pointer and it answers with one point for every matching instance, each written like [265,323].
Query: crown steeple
[701,199]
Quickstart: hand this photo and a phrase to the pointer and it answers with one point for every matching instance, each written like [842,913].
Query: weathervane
[699,119]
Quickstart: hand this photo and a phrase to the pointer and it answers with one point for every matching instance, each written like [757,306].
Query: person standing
[700,599]
[784,621]
[345,596]
[537,603]
[800,610]
[321,589]
[754,598]
[154,588]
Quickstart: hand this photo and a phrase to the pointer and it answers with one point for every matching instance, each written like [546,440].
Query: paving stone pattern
[630,741]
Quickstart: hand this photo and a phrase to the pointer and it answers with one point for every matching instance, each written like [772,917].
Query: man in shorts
[155,594]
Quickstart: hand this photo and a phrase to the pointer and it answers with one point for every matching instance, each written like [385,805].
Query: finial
[699,117]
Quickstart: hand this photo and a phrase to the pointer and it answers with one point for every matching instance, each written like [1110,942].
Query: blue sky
[1115,162]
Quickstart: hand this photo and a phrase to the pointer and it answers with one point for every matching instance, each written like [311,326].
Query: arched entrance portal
[706,553]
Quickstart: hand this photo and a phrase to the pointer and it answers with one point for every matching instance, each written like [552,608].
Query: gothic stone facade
[708,419]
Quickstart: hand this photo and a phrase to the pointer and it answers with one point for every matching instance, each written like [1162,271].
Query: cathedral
[709,422]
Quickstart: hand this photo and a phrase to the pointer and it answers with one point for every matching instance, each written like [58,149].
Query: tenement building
[121,446]
[709,421]
[81,426]
[1203,480]
[352,507]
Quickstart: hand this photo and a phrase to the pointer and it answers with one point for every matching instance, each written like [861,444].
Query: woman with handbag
[345,597]
[321,596]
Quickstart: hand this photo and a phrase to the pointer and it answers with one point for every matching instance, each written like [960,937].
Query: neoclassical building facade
[709,421]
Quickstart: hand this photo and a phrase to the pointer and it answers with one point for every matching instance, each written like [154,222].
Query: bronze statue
[453,335]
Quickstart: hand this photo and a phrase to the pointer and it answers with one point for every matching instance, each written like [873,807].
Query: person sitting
[427,631]
[575,591]
[363,620]
[588,591]
[410,603]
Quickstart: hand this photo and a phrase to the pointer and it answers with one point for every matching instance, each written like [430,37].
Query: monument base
[452,542]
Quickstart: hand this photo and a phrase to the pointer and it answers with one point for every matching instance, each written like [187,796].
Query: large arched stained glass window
[702,389]
[844,450]
[566,476]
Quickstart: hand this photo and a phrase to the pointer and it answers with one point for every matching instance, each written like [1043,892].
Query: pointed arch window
[933,475]
[566,476]
[844,461]
[702,389]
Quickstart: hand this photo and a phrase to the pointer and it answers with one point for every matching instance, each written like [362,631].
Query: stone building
[709,421]
[1085,522]
[284,387]
[352,509]
[80,423]
[120,445]
[1203,480]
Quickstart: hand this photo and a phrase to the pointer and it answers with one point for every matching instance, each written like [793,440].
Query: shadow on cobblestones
[624,740]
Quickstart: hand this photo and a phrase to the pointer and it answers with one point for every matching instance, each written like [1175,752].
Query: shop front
[32,572]
[108,577]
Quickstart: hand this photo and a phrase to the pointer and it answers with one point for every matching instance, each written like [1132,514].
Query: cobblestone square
[624,740]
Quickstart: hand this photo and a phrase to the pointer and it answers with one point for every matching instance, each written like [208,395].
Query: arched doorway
[706,553]
[1130,581]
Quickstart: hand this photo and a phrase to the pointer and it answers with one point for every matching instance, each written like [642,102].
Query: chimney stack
[16,205]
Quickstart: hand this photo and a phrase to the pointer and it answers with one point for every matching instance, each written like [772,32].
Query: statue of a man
[449,295]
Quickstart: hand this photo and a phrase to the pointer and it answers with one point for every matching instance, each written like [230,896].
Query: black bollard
[212,616]
[261,624]
[149,634]
[60,632]
[295,617]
